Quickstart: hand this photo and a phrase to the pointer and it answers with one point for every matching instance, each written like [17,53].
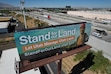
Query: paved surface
[7,63]
[52,68]
[103,43]
[99,44]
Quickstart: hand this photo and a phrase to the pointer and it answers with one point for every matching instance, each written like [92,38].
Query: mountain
[4,5]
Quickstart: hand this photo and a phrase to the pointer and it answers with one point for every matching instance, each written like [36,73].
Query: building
[7,24]
[4,27]
[7,63]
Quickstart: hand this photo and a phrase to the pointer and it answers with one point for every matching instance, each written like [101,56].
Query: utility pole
[22,2]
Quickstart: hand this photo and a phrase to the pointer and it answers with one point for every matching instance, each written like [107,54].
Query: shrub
[101,63]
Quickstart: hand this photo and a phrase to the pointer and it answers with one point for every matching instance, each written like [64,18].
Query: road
[106,38]
[52,68]
[98,44]
[57,19]
[103,43]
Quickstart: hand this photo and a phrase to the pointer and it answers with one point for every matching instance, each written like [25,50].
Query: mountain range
[4,5]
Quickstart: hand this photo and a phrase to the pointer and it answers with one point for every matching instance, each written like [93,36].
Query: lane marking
[50,69]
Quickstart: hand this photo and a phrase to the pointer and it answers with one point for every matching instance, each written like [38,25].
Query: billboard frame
[53,52]
[39,63]
[52,26]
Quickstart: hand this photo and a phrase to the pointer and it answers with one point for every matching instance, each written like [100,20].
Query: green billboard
[38,42]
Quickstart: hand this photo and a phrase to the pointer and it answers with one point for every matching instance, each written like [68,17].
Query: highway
[103,43]
[99,44]
[57,19]
[64,18]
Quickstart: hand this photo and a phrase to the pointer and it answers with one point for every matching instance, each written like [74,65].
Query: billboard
[45,42]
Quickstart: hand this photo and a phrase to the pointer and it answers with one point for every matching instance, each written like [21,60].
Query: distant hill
[4,5]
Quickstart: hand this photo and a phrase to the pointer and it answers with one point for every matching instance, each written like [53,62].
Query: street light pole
[22,7]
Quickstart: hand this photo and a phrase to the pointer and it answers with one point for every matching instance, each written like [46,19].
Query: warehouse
[7,24]
[7,63]
[4,27]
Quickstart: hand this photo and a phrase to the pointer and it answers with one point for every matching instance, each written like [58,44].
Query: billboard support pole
[45,61]
[59,64]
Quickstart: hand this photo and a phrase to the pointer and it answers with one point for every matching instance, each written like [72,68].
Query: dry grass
[6,39]
[68,63]
[31,22]
[4,19]
[9,38]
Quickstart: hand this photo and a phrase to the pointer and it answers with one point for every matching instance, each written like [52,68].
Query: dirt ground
[30,23]
[68,63]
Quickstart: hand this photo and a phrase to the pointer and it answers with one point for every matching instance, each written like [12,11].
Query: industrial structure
[7,24]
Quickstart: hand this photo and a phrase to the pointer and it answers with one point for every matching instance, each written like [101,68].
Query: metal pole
[59,64]
[22,5]
[24,19]
[48,60]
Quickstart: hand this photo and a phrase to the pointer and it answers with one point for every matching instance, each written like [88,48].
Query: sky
[61,3]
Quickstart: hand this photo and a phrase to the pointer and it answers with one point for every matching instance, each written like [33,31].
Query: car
[96,34]
[45,16]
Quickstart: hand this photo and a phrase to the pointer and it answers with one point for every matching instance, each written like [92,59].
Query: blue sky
[61,3]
